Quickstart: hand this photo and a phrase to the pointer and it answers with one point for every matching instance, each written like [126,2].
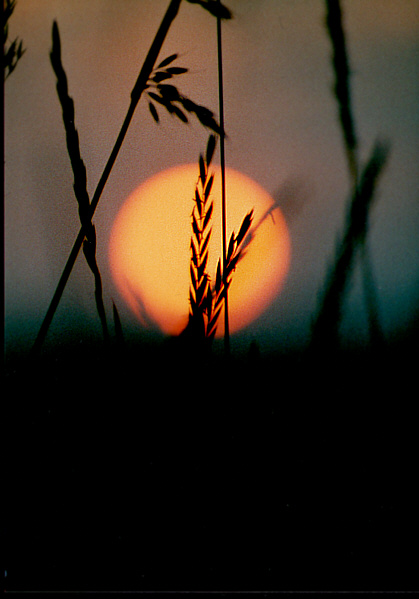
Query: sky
[283,131]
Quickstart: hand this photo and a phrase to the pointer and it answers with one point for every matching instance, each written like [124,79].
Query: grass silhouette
[168,95]
[80,176]
[325,332]
[13,52]
[207,299]
[326,327]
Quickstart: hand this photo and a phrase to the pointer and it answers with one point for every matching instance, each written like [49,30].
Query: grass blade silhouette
[119,335]
[342,83]
[325,330]
[79,172]
[342,89]
[15,51]
[139,87]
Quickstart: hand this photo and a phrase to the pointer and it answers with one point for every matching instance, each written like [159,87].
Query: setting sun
[149,249]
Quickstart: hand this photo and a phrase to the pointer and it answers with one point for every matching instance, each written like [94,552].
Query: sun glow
[149,249]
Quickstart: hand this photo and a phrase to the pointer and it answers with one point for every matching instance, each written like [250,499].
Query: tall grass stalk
[223,187]
[342,85]
[139,87]
[79,172]
[325,330]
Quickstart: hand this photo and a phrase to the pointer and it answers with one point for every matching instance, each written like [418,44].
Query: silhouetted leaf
[210,336]
[192,302]
[245,226]
[161,76]
[189,105]
[56,45]
[176,70]
[221,296]
[20,51]
[202,111]
[9,55]
[169,92]
[231,266]
[193,277]
[194,254]
[181,115]
[89,250]
[153,111]
[208,302]
[167,61]
[163,101]
[205,115]
[198,203]
[117,322]
[201,291]
[212,324]
[205,242]
[202,266]
[212,140]
[195,228]
[208,187]
[8,8]
[158,99]
[209,122]
[218,279]
[208,215]
[230,248]
[202,170]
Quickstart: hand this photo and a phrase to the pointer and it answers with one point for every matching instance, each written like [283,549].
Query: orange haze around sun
[149,249]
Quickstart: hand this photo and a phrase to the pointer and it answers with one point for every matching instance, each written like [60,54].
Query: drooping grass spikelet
[168,96]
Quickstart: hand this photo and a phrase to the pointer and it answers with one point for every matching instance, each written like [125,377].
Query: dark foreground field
[149,471]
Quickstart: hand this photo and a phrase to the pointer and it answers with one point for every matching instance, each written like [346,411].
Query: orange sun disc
[149,248]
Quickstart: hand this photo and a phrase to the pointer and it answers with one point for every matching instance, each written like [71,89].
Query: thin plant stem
[139,87]
[325,330]
[342,84]
[362,190]
[370,291]
[79,171]
[223,187]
